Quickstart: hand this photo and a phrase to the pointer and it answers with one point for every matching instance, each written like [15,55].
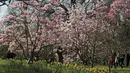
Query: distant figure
[60,54]
[113,60]
[54,57]
[36,58]
[121,58]
[10,55]
[127,59]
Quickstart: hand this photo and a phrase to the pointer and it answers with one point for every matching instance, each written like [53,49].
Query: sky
[3,11]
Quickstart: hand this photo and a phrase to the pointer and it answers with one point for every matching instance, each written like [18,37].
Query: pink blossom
[59,12]
[41,19]
[51,1]
[100,5]
[128,21]
[9,17]
[110,15]
[1,21]
[1,40]
[35,12]
[45,7]
[118,3]
[34,19]
[19,3]
[26,12]
[91,13]
[36,3]
[57,18]
[55,2]
[13,6]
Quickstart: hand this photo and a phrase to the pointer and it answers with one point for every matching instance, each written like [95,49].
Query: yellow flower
[83,68]
[66,64]
[59,63]
[90,69]
[53,72]
[75,66]
[87,69]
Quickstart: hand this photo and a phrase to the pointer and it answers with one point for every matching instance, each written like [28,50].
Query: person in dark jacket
[10,55]
[127,59]
[121,60]
[112,60]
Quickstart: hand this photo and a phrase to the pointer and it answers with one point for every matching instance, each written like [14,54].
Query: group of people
[114,61]
[57,55]
[118,60]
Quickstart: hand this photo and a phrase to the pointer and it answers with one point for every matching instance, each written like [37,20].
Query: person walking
[60,54]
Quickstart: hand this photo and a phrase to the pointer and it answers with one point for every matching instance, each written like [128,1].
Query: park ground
[117,70]
[17,66]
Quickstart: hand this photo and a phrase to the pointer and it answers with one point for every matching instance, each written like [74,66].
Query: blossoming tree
[31,24]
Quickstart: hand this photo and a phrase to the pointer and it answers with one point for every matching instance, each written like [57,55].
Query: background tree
[27,29]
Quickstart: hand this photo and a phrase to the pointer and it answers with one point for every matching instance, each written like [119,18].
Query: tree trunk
[93,55]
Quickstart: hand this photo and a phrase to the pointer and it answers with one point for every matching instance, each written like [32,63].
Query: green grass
[121,70]
[17,66]
[117,70]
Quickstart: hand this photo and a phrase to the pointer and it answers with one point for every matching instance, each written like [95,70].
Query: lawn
[121,70]
[117,70]
[17,66]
